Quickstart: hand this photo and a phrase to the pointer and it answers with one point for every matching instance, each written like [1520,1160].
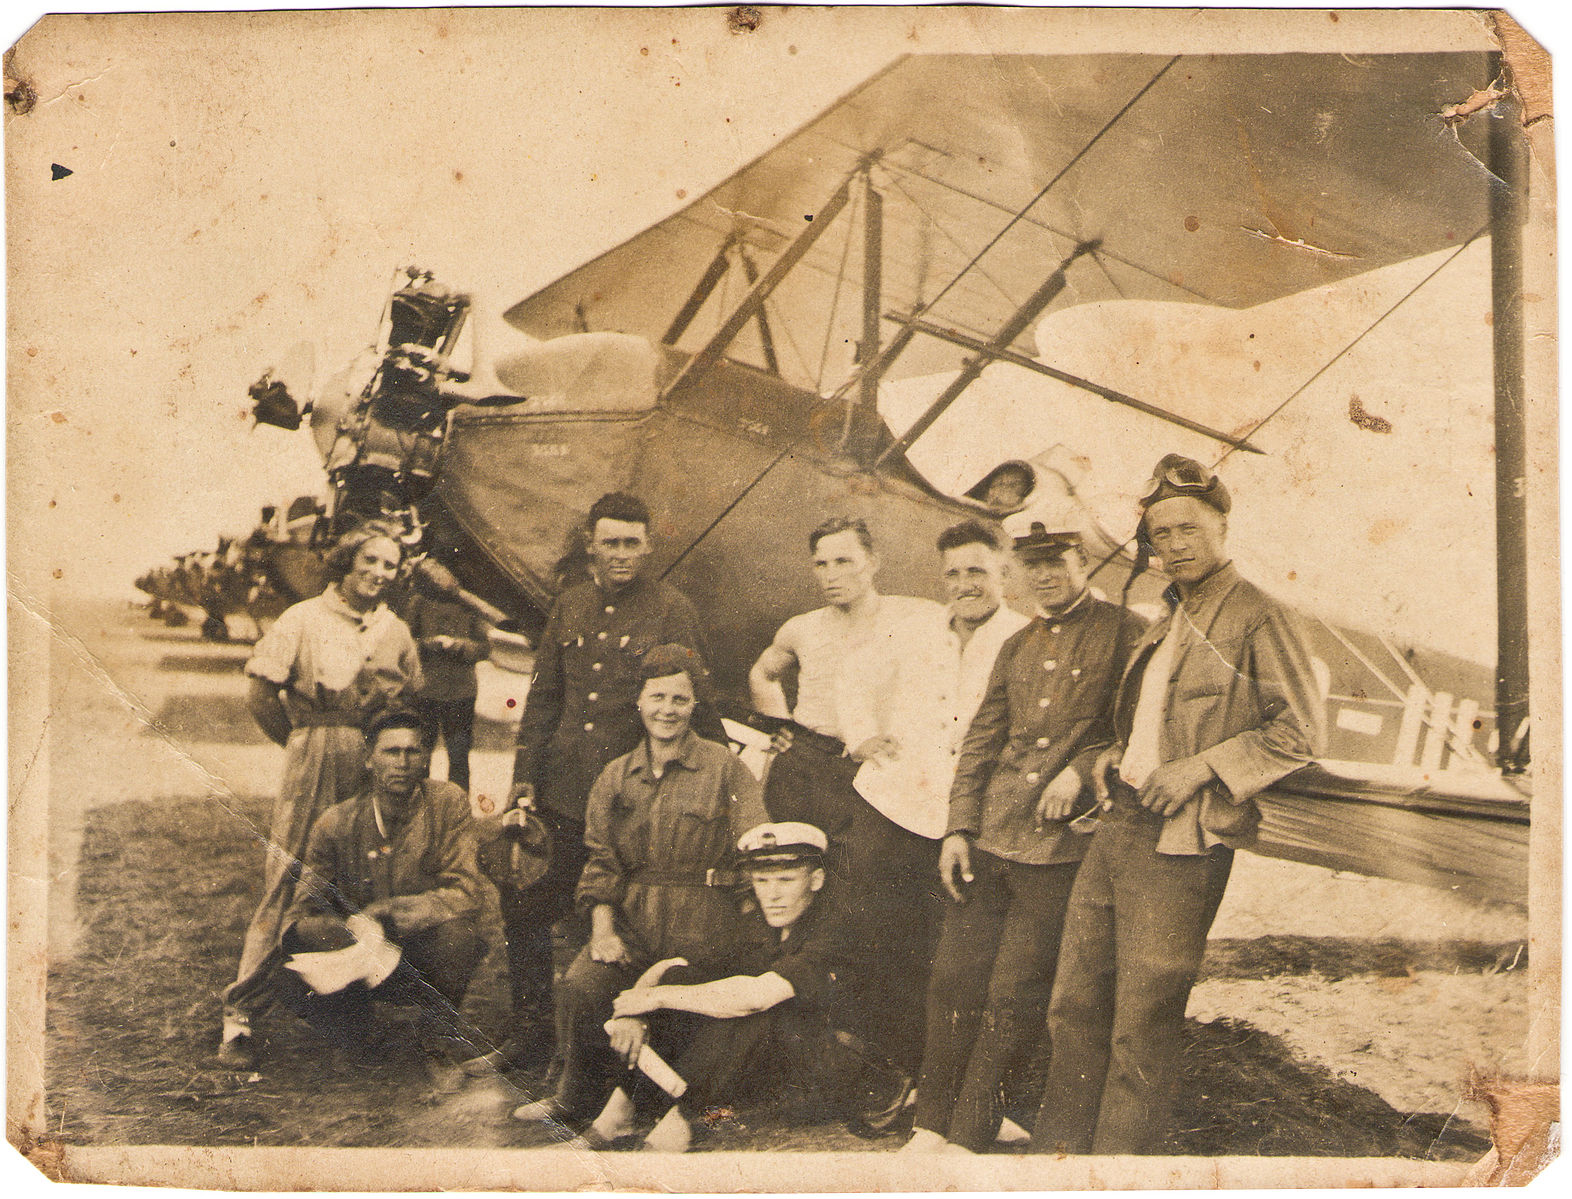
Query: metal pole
[690,309]
[977,345]
[1508,162]
[1013,328]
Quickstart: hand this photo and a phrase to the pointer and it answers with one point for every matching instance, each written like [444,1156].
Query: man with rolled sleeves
[578,717]
[1219,702]
[1010,854]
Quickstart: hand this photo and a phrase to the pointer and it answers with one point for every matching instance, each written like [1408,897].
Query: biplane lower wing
[1462,832]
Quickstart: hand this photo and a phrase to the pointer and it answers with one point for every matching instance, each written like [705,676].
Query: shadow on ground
[166,886]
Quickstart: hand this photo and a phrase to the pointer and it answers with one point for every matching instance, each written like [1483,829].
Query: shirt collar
[637,584]
[993,618]
[337,603]
[1208,593]
[684,756]
[1077,605]
[795,935]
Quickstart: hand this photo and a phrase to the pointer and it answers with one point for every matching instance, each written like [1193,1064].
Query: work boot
[237,1048]
[238,1053]
[532,1044]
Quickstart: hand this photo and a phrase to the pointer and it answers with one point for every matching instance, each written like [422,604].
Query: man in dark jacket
[777,1018]
[1010,852]
[387,900]
[451,638]
[1219,702]
[580,715]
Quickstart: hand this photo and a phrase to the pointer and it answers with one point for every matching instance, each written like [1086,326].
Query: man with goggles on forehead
[1218,703]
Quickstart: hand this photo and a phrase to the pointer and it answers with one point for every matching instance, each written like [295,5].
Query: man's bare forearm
[725,998]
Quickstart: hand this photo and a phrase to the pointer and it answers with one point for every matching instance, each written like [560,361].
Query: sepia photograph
[780,599]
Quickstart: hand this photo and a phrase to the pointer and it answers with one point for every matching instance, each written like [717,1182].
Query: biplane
[806,338]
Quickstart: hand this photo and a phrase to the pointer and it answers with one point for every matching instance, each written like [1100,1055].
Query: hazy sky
[243,182]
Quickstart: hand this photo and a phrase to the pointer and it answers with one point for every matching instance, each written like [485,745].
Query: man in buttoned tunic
[1010,856]
[1219,702]
[579,716]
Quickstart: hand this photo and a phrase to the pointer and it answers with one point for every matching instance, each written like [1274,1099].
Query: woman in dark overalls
[660,882]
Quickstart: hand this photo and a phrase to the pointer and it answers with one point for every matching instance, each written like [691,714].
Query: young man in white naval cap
[776,1015]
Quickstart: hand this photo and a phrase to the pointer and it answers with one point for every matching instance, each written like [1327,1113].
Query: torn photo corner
[1193,384]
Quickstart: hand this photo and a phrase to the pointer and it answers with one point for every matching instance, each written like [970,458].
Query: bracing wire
[1330,362]
[953,240]
[1060,174]
[1335,358]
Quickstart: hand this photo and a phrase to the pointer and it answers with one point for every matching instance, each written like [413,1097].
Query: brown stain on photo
[1367,421]
[744,19]
[1522,1116]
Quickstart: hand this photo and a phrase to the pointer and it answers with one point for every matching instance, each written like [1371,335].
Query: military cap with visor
[1041,542]
[784,843]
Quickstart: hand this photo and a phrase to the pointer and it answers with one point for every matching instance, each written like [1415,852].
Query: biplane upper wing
[1225,179]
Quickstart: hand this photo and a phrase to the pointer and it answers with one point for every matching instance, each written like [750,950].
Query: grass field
[166,885]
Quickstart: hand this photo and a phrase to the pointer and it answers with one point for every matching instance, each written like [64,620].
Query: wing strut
[766,338]
[707,283]
[977,345]
[862,415]
[1013,328]
[753,302]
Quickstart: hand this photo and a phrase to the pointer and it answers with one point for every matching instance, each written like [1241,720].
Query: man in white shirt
[906,703]
[810,778]
[879,859]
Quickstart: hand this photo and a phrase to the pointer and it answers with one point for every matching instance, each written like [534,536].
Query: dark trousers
[788,1053]
[809,784]
[988,994]
[433,975]
[527,917]
[796,1055]
[456,720]
[888,922]
[590,1069]
[1133,941]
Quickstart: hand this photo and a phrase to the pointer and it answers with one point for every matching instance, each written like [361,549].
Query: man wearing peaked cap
[1010,851]
[776,1016]
[1038,542]
[1219,702]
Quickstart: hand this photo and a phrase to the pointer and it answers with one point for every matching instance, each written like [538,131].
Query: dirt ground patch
[165,888]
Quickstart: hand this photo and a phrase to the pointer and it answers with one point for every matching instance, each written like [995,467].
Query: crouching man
[772,1023]
[386,906]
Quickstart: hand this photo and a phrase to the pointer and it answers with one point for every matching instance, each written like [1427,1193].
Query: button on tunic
[1049,704]
[426,867]
[580,712]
